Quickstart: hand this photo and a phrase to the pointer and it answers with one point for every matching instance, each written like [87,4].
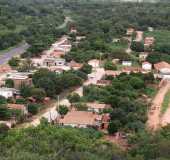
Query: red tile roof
[161,65]
[16,106]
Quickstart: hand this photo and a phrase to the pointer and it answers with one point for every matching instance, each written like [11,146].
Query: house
[143,56]
[20,107]
[130,31]
[162,70]
[103,83]
[19,78]
[81,119]
[37,62]
[112,73]
[149,41]
[97,107]
[73,30]
[5,69]
[57,53]
[115,61]
[127,63]
[8,92]
[150,29]
[54,62]
[147,66]
[94,63]
[74,65]
[130,69]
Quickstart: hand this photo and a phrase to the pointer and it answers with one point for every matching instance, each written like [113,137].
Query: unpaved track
[154,119]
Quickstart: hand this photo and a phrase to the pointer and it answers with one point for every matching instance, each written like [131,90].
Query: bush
[33,108]
[73,97]
[63,110]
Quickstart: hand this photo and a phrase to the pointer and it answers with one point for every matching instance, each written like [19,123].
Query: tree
[3,100]
[25,91]
[38,93]
[63,110]
[137,46]
[9,83]
[86,68]
[74,97]
[33,108]
[109,65]
[114,126]
[4,112]
[14,62]
[136,83]
[3,129]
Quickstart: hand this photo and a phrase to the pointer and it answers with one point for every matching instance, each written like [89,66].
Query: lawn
[166,102]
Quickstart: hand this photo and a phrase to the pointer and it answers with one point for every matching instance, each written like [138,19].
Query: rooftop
[16,106]
[80,117]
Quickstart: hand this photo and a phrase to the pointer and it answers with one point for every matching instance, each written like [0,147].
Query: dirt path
[154,119]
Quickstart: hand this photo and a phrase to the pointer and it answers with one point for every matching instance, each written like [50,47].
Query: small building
[139,36]
[54,62]
[5,69]
[162,70]
[74,65]
[131,69]
[143,56]
[19,78]
[20,107]
[8,92]
[130,31]
[112,73]
[81,119]
[97,107]
[150,29]
[127,63]
[73,30]
[147,66]
[94,63]
[103,83]
[115,60]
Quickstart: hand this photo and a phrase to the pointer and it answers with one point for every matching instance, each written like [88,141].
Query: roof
[97,105]
[75,64]
[4,89]
[161,65]
[112,73]
[16,106]
[5,68]
[80,117]
[146,63]
[132,69]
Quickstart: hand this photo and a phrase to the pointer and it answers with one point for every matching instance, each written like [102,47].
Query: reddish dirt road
[154,115]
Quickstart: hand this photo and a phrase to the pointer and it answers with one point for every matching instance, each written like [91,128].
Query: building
[130,31]
[149,41]
[57,53]
[54,62]
[74,65]
[112,73]
[143,56]
[97,107]
[130,69]
[127,63]
[162,70]
[147,66]
[8,92]
[5,69]
[20,107]
[19,78]
[139,36]
[103,83]
[81,119]
[94,63]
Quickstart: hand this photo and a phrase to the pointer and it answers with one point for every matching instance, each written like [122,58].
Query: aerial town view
[84,80]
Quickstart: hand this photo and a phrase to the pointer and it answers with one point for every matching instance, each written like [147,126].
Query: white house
[8,92]
[127,63]
[147,66]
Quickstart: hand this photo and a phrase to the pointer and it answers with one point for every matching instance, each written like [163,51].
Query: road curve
[7,55]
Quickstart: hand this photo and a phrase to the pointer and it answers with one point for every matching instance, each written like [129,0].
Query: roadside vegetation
[166,102]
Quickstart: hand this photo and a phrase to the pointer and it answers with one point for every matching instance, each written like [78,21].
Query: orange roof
[112,73]
[161,65]
[103,82]
[16,106]
[80,118]
[132,69]
[97,105]
[75,64]
[5,68]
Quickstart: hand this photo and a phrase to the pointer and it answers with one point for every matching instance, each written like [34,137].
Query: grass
[166,102]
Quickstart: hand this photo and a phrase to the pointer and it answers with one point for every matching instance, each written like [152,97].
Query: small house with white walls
[146,66]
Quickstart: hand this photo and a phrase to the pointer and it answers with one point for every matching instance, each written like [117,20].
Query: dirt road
[154,119]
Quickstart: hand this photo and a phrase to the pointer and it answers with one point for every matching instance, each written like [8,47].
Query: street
[6,56]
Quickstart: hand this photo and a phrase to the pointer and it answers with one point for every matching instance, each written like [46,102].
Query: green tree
[33,108]
[137,46]
[9,83]
[63,110]
[14,62]
[74,97]
[86,68]
[38,93]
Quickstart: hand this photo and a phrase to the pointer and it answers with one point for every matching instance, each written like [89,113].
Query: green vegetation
[166,102]
[162,38]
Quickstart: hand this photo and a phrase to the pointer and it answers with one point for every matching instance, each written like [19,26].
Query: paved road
[6,56]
